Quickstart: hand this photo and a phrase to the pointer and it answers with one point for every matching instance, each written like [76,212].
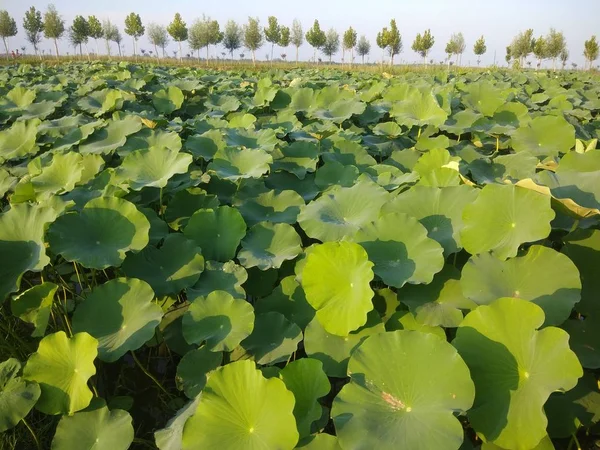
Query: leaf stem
[35,438]
[149,375]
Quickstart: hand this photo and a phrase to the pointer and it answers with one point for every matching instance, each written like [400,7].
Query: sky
[497,21]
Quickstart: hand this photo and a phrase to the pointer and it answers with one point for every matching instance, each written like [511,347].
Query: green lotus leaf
[175,266]
[460,122]
[583,248]
[113,136]
[241,120]
[568,411]
[148,138]
[298,158]
[219,320]
[438,209]
[419,108]
[218,276]
[22,243]
[333,173]
[585,336]
[544,444]
[17,396]
[100,102]
[435,159]
[120,314]
[241,409]
[18,141]
[168,100]
[34,306]
[185,203]
[399,247]
[484,98]
[340,110]
[265,139]
[233,163]
[153,167]
[504,217]
[60,175]
[272,341]
[268,245]
[222,103]
[574,186]
[336,281]
[515,369]
[386,406]
[19,97]
[340,212]
[97,428]
[542,275]
[405,320]
[62,367]
[217,231]
[440,177]
[159,230]
[386,302]
[284,181]
[439,303]
[349,153]
[205,145]
[288,299]
[265,92]
[334,351]
[194,368]
[389,129]
[99,236]
[170,437]
[303,100]
[513,167]
[545,136]
[271,206]
[7,182]
[307,381]
[75,135]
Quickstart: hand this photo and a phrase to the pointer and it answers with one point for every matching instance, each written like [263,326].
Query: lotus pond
[320,260]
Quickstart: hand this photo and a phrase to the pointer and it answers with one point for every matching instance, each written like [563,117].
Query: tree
[284,39]
[109,32]
[232,37]
[393,40]
[203,33]
[590,50]
[332,43]
[158,36]
[479,48]
[54,25]
[297,36]
[540,50]
[117,38]
[555,43]
[95,30]
[456,46]
[79,33]
[178,31]
[508,56]
[316,38]
[564,57]
[134,28]
[423,44]
[8,28]
[349,42]
[363,48]
[382,42]
[253,37]
[273,33]
[522,46]
[33,26]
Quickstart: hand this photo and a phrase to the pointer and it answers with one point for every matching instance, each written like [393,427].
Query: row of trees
[203,33]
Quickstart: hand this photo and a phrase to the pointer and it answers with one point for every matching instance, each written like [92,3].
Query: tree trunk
[180,53]
[97,48]
[351,57]
[56,47]
[119,45]
[108,48]
[80,51]
[156,50]
[231,55]
[207,54]
[272,48]
[134,49]
[363,59]
[343,54]
[87,50]
[253,58]
[6,47]
[554,64]
[330,58]
[297,55]
[392,60]
[198,53]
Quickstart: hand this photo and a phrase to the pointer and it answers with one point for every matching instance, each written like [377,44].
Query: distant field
[281,257]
